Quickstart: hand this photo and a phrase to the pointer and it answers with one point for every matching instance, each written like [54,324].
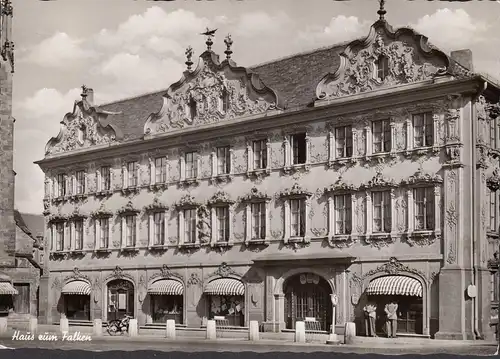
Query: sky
[123,48]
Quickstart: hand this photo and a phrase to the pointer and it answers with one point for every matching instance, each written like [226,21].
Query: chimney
[90,96]
[464,58]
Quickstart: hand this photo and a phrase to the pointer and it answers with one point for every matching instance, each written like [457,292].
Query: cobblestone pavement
[125,344]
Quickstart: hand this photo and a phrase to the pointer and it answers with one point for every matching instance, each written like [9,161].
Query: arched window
[382,65]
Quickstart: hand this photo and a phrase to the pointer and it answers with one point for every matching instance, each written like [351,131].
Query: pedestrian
[391,311]
[370,317]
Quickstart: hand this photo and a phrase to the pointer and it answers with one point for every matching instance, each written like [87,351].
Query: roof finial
[189,54]
[228,41]
[209,34]
[381,12]
[84,91]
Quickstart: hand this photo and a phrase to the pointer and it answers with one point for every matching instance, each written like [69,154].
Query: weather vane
[189,54]
[209,34]
[228,41]
[381,12]
[84,91]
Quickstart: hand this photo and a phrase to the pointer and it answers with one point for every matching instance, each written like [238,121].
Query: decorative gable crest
[340,186]
[213,92]
[384,58]
[128,209]
[220,197]
[223,271]
[77,214]
[378,181]
[77,275]
[295,191]
[83,128]
[119,274]
[164,273]
[392,267]
[156,205]
[255,195]
[421,177]
[102,212]
[187,201]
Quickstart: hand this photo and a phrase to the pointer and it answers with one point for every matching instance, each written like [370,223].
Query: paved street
[185,345]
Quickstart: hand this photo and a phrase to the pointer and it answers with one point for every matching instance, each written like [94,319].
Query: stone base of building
[273,327]
[454,336]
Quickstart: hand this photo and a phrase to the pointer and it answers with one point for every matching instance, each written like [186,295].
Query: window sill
[102,250]
[77,197]
[59,199]
[342,240]
[188,247]
[158,187]
[157,247]
[130,190]
[189,182]
[256,242]
[259,173]
[379,240]
[77,252]
[221,244]
[422,238]
[339,162]
[421,151]
[301,167]
[222,178]
[129,249]
[59,254]
[103,193]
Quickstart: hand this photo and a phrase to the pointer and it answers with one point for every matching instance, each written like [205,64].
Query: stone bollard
[33,325]
[300,332]
[3,325]
[97,330]
[350,332]
[133,331]
[211,330]
[64,325]
[170,329]
[332,337]
[253,330]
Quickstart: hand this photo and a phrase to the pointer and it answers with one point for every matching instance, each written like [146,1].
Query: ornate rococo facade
[391,78]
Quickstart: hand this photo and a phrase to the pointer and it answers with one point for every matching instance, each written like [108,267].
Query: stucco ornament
[406,53]
[203,224]
[213,92]
[82,128]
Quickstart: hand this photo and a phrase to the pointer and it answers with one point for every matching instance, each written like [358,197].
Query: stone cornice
[341,107]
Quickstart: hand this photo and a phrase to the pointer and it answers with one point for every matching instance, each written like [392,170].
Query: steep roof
[35,223]
[306,69]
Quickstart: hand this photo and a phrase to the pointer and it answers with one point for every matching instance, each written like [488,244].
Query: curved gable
[82,128]
[218,92]
[409,59]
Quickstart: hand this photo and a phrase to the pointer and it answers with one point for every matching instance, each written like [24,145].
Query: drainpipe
[474,252]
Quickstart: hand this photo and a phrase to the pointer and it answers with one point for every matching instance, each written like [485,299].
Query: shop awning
[395,285]
[166,287]
[77,287]
[7,289]
[225,286]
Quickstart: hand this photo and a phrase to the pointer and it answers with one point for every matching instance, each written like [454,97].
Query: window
[132,174]
[59,236]
[423,130]
[22,301]
[104,232]
[381,211]
[159,228]
[223,160]
[130,234]
[493,134]
[381,136]
[343,138]
[190,225]
[79,234]
[259,154]
[298,148]
[192,108]
[61,184]
[298,217]
[80,182]
[342,214]
[493,210]
[423,199]
[259,220]
[160,170]
[105,178]
[224,101]
[222,214]
[191,165]
[382,67]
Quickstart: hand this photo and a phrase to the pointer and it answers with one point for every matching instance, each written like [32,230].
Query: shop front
[76,297]
[226,300]
[7,291]
[406,292]
[166,297]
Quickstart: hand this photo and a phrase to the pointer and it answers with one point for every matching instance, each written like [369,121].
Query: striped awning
[166,287]
[7,289]
[225,286]
[77,287]
[395,285]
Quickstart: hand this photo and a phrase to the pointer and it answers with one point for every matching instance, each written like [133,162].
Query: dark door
[120,299]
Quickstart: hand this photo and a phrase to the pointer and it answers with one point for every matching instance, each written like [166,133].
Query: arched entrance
[120,299]
[307,297]
[407,293]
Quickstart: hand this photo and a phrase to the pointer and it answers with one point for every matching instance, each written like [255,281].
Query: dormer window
[382,67]
[192,108]
[224,101]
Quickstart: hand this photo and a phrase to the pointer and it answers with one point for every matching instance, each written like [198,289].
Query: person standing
[370,317]
[391,311]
